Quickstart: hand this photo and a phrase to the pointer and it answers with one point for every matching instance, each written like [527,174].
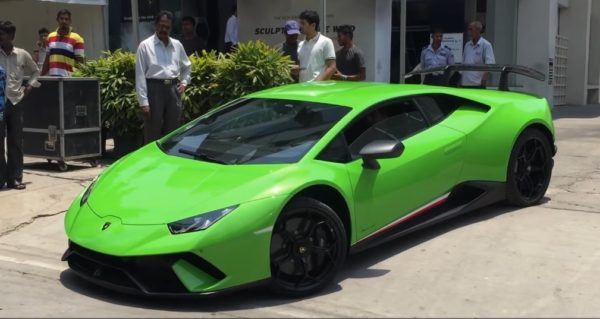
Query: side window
[431,108]
[396,121]
[439,106]
[336,151]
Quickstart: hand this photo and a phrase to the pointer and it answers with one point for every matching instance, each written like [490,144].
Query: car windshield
[255,131]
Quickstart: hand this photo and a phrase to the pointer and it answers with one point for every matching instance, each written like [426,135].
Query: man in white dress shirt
[162,73]
[477,51]
[16,63]
[231,31]
[316,53]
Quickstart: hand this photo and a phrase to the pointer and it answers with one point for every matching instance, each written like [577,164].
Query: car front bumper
[149,260]
[155,276]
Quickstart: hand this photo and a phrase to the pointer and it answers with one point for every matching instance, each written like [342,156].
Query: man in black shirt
[350,60]
[289,47]
[191,42]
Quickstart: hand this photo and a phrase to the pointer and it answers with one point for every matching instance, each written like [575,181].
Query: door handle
[453,147]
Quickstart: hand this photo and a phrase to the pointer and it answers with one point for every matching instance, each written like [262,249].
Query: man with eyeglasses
[477,51]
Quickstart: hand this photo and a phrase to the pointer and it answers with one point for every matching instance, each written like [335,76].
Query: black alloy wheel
[308,247]
[530,169]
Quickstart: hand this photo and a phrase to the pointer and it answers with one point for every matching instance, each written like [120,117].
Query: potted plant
[218,78]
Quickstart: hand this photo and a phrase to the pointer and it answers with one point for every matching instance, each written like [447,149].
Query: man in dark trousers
[162,73]
[350,60]
[16,63]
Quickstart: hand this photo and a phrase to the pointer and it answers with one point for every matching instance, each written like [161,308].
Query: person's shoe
[17,185]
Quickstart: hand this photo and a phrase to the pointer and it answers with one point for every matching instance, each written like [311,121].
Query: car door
[424,173]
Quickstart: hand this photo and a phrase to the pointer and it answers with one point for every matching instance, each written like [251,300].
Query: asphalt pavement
[499,261]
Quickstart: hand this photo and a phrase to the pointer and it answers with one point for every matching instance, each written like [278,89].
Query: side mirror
[380,149]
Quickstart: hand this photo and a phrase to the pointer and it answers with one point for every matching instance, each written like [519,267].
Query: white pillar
[106,21]
[323,16]
[402,40]
[383,47]
[135,23]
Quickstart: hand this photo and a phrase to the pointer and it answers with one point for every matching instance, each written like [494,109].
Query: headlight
[199,222]
[87,193]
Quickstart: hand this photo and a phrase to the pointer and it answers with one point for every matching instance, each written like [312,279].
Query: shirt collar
[478,42]
[158,41]
[316,38]
[58,32]
[12,52]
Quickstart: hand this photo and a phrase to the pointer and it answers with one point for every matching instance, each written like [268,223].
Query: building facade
[210,15]
[554,37]
[88,19]
[551,36]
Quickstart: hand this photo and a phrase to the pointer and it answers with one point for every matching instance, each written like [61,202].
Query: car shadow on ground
[357,266]
[576,112]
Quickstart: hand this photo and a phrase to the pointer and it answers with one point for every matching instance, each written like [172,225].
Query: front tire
[529,169]
[308,247]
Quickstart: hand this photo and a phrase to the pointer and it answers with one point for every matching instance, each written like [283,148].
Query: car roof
[360,95]
[350,94]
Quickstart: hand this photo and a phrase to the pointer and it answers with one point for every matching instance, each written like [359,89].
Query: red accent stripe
[408,217]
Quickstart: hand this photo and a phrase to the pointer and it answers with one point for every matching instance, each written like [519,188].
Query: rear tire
[529,169]
[308,247]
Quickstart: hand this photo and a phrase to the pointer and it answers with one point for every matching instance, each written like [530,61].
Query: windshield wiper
[201,156]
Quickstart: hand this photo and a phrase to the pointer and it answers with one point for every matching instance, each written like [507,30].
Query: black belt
[163,81]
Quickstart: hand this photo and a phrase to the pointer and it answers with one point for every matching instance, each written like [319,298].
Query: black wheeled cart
[61,121]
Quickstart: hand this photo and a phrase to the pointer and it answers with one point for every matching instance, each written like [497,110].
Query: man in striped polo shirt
[65,48]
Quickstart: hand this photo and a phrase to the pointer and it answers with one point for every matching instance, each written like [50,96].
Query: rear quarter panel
[491,135]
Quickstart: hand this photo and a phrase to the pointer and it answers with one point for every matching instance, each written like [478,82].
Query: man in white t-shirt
[316,53]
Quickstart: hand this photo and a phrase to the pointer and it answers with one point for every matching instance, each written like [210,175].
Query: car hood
[150,187]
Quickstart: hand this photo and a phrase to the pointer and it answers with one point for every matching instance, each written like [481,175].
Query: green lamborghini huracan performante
[278,187]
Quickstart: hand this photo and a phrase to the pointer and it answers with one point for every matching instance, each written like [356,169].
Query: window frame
[457,100]
[367,111]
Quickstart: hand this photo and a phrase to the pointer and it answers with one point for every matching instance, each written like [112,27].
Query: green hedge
[216,79]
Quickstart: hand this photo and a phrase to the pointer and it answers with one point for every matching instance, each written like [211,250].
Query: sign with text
[265,19]
[455,42]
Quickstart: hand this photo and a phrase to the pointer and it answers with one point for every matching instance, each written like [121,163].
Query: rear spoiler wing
[504,69]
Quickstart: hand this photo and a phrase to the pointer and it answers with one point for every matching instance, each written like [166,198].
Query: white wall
[536,33]
[371,18]
[501,29]
[576,26]
[594,61]
[31,15]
